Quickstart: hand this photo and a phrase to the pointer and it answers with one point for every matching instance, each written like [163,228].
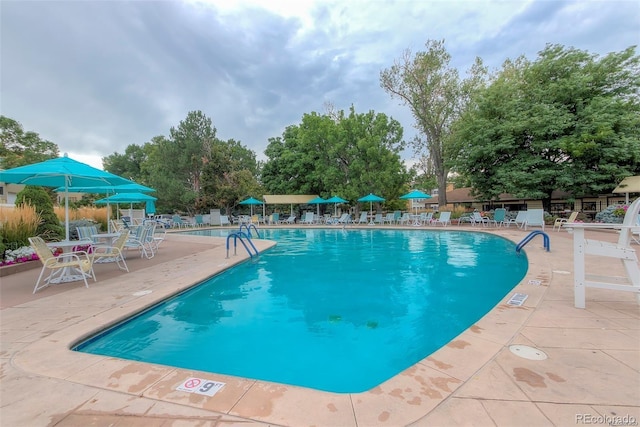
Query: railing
[250,226]
[244,238]
[530,236]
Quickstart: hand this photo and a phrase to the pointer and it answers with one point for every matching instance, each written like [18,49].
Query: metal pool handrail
[242,236]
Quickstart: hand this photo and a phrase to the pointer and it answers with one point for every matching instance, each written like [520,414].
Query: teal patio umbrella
[251,201]
[317,201]
[371,198]
[130,198]
[131,187]
[415,194]
[336,200]
[61,172]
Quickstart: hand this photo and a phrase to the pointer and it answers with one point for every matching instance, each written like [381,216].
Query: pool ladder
[530,236]
[244,237]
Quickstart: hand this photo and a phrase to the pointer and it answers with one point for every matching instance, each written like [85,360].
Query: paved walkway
[591,374]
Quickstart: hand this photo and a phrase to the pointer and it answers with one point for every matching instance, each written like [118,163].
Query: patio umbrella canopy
[127,198]
[415,194]
[132,187]
[130,198]
[371,198]
[61,172]
[251,201]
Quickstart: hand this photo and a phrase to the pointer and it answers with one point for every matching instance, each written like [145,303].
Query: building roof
[287,199]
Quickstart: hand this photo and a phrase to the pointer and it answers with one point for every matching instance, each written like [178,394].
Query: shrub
[49,227]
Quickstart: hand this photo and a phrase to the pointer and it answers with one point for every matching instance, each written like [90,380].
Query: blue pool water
[330,309]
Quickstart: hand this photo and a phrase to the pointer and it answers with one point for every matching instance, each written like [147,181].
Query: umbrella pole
[66,208]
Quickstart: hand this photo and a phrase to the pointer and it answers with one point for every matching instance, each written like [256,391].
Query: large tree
[348,155]
[436,96]
[19,148]
[569,120]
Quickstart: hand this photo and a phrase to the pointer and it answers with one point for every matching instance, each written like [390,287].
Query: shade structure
[317,201]
[371,198]
[336,200]
[415,194]
[61,172]
[251,201]
[630,184]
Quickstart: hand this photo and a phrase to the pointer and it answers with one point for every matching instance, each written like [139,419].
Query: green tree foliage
[19,148]
[229,177]
[567,121]
[129,164]
[436,96]
[337,154]
[49,228]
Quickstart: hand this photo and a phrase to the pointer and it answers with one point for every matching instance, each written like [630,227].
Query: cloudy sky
[96,76]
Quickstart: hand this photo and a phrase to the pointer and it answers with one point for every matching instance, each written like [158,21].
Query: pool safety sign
[200,386]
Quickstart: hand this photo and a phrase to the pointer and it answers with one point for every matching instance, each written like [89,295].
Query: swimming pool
[331,309]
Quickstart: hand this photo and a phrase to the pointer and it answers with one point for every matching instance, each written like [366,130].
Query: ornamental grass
[17,224]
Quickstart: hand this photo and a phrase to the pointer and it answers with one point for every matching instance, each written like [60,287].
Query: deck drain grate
[518,299]
[527,352]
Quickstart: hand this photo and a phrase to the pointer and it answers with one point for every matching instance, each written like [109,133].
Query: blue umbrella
[336,200]
[415,194]
[127,198]
[61,172]
[132,187]
[251,201]
[150,207]
[371,198]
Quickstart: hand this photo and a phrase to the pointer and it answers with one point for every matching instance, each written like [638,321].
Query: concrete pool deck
[591,374]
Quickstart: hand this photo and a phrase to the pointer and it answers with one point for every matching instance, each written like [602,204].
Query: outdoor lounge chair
[560,221]
[498,217]
[444,218]
[224,220]
[477,218]
[535,218]
[363,218]
[142,241]
[519,220]
[290,220]
[113,252]
[405,219]
[76,260]
[344,219]
[621,250]
[308,218]
[389,218]
[467,217]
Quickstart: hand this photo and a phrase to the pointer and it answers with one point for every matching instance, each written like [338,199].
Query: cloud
[96,76]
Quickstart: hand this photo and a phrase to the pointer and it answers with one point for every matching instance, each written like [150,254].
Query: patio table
[67,274]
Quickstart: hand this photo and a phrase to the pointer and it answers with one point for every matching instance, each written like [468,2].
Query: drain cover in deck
[527,352]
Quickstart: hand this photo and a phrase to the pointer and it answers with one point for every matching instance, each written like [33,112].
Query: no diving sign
[200,386]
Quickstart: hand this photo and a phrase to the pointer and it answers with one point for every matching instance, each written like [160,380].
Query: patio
[591,374]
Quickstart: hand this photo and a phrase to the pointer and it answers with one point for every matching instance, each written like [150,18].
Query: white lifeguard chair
[621,250]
